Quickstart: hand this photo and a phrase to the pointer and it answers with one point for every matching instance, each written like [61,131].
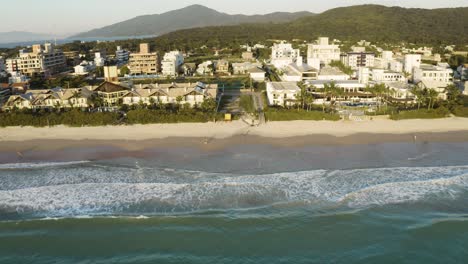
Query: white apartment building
[386,76]
[412,61]
[440,73]
[434,77]
[99,59]
[323,51]
[41,61]
[282,93]
[283,54]
[396,66]
[121,55]
[358,59]
[171,63]
[11,66]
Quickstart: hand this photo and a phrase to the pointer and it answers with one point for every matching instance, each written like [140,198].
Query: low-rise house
[173,93]
[244,67]
[20,87]
[17,77]
[222,66]
[298,72]
[380,75]
[352,91]
[247,55]
[401,91]
[48,99]
[332,74]
[189,69]
[205,68]
[84,68]
[21,101]
[282,93]
[110,93]
[257,74]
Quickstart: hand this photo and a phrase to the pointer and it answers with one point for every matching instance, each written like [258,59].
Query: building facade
[41,61]
[358,59]
[283,54]
[171,63]
[323,51]
[144,62]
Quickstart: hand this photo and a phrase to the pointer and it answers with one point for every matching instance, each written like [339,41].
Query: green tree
[124,71]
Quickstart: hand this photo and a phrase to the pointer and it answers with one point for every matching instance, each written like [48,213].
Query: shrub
[440,112]
[273,114]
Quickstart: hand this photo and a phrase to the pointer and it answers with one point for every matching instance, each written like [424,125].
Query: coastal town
[323,79]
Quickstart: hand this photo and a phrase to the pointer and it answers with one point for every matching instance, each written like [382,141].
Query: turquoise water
[238,206]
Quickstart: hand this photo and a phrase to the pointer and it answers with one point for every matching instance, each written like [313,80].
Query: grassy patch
[440,112]
[246,102]
[461,111]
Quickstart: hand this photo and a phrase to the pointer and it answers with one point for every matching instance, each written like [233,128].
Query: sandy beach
[237,128]
[109,142]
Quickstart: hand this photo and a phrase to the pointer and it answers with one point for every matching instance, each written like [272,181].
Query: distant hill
[19,36]
[369,22]
[189,17]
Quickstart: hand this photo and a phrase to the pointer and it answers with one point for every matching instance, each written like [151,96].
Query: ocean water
[382,203]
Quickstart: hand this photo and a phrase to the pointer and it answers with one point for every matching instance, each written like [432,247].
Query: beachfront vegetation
[135,114]
[73,118]
[440,112]
[281,114]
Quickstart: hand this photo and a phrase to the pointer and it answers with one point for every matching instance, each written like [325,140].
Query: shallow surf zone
[94,189]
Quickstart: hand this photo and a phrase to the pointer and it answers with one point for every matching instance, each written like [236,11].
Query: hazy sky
[73,16]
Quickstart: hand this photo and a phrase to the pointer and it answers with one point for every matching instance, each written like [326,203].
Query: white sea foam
[35,165]
[195,191]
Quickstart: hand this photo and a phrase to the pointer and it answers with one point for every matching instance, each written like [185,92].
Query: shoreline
[209,131]
[66,143]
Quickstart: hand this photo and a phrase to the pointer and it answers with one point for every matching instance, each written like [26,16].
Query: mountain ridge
[192,16]
[370,22]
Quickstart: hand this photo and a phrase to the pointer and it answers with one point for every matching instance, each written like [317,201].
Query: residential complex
[358,59]
[122,55]
[283,54]
[40,61]
[322,51]
[171,63]
[113,94]
[144,62]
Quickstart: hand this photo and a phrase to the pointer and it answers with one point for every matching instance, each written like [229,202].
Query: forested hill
[189,17]
[369,22]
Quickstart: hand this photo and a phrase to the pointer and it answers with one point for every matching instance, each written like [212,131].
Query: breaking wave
[104,190]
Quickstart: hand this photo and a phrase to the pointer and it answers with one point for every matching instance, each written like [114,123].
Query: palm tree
[432,95]
[301,97]
[179,99]
[453,96]
[419,93]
